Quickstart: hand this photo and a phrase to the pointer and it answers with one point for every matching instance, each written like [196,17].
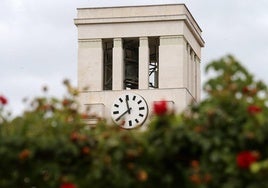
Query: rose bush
[219,142]
[231,127]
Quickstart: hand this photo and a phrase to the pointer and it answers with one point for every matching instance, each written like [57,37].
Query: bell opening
[131,60]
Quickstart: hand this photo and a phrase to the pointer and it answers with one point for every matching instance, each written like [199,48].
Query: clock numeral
[137,121]
[141,108]
[130,123]
[139,101]
[141,115]
[134,98]
[115,112]
[121,100]
[116,105]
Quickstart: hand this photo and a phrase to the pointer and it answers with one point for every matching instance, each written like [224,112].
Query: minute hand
[127,111]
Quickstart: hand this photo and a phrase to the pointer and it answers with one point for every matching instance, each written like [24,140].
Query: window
[131,61]
[154,62]
[107,64]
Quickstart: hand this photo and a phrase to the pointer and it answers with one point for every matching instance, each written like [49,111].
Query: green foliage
[50,144]
[232,119]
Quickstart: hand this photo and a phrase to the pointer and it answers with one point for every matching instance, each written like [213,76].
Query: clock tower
[132,56]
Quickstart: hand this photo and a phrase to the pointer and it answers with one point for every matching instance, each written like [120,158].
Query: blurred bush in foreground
[220,142]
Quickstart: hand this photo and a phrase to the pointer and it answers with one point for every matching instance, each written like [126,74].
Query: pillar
[190,74]
[171,62]
[188,53]
[198,80]
[144,63]
[90,64]
[118,64]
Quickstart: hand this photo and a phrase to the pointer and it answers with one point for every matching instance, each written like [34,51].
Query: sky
[38,40]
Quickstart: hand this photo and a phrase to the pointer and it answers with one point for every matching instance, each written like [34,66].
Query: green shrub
[219,142]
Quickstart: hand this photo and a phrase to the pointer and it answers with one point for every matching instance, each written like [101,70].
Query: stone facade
[164,35]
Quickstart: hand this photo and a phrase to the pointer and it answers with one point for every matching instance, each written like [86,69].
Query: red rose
[3,100]
[24,154]
[74,136]
[246,89]
[196,179]
[245,158]
[142,176]
[65,102]
[85,150]
[67,185]
[160,107]
[84,116]
[253,109]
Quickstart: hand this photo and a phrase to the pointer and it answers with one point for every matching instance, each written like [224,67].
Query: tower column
[198,81]
[171,62]
[192,73]
[188,52]
[118,64]
[144,63]
[90,62]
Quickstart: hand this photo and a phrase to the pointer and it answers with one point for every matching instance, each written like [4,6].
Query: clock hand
[127,111]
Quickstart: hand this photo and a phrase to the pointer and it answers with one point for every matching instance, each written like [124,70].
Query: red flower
[84,116]
[246,89]
[85,150]
[3,100]
[253,109]
[245,158]
[66,102]
[196,179]
[24,154]
[67,185]
[160,107]
[142,176]
[74,136]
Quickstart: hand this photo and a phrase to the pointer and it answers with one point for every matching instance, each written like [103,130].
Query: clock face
[129,110]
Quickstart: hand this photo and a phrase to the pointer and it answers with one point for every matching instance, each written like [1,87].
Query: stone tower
[153,51]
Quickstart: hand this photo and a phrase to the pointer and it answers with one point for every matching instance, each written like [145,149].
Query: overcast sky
[38,40]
